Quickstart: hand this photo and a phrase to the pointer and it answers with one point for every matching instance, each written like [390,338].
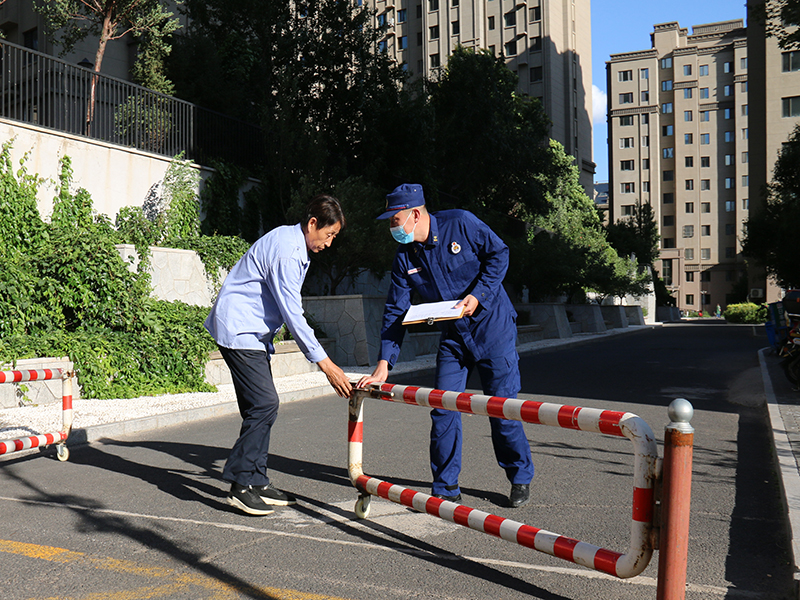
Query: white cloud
[599,106]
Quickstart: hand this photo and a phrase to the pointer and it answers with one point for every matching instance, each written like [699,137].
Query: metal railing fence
[48,92]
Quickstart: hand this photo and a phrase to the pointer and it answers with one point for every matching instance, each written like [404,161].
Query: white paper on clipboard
[433,311]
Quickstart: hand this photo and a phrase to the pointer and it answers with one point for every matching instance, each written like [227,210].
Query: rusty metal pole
[677,492]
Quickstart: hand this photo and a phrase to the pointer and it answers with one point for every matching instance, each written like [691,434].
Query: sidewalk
[783,404]
[97,419]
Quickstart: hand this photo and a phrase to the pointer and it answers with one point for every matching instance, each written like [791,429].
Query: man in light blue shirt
[259,295]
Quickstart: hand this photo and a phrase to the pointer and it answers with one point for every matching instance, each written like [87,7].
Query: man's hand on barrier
[336,377]
[379,375]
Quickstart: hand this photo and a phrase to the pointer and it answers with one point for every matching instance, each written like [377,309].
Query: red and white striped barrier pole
[673,552]
[59,438]
[616,423]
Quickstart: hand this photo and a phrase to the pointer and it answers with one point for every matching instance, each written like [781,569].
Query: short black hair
[326,210]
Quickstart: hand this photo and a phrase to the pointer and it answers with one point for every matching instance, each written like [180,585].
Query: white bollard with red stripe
[60,437]
[615,423]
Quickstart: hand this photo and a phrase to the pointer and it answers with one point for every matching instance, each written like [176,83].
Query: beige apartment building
[678,140]
[547,43]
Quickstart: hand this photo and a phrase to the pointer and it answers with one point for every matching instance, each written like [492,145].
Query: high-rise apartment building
[547,43]
[678,140]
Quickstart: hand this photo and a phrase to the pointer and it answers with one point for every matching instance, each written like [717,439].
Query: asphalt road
[146,517]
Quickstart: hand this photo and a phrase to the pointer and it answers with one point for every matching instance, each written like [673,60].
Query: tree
[569,253]
[780,19]
[637,236]
[771,234]
[490,141]
[71,21]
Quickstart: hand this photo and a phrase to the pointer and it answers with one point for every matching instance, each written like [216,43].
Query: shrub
[746,313]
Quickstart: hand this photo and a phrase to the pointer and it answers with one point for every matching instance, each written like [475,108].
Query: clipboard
[433,311]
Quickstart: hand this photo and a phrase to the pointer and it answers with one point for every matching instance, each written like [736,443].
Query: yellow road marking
[220,589]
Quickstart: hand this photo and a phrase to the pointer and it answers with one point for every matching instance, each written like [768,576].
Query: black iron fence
[48,92]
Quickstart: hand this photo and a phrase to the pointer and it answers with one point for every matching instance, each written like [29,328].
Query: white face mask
[399,232]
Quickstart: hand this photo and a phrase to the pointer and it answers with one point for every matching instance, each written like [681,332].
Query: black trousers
[258,404]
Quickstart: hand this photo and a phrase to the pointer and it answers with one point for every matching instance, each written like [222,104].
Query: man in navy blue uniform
[453,255]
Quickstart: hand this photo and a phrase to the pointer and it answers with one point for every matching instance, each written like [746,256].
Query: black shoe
[272,495]
[456,498]
[520,494]
[246,498]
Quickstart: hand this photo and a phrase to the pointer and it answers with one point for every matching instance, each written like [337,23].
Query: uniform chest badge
[455,248]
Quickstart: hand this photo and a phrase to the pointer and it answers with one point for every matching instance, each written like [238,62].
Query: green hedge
[745,313]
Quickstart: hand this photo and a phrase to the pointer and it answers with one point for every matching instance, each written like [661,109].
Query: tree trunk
[105,34]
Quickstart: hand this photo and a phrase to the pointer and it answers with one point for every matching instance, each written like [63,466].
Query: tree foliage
[771,233]
[636,236]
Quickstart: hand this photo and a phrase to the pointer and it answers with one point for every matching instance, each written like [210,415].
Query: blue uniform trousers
[499,377]
[258,404]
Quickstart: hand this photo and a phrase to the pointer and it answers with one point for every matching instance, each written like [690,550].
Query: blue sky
[625,26]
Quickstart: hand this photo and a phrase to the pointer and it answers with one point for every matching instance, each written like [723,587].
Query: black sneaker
[246,498]
[520,494]
[456,498]
[272,495]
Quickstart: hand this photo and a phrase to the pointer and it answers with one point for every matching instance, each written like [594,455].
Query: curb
[787,467]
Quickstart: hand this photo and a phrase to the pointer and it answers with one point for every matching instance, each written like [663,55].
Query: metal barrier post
[607,422]
[58,438]
[677,489]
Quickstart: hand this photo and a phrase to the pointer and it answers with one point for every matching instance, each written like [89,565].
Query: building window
[626,165]
[705,298]
[668,198]
[705,161]
[511,48]
[727,67]
[687,115]
[419,11]
[705,253]
[667,130]
[491,23]
[669,220]
[688,161]
[666,271]
[745,203]
[435,61]
[666,108]
[402,42]
[626,142]
[419,38]
[688,208]
[626,75]
[668,242]
[688,138]
[689,276]
[730,206]
[645,96]
[703,70]
[687,70]
[745,157]
[510,18]
[535,14]
[402,15]
[536,74]
[382,46]
[745,180]
[688,231]
[645,141]
[645,164]
[705,276]
[626,121]
[744,110]
[687,93]
[626,98]
[730,252]
[689,299]
[689,183]
[644,73]
[791,106]
[627,210]
[743,63]
[729,136]
[535,44]
[382,20]
[668,152]
[705,139]
[728,183]
[705,230]
[705,207]
[729,229]
[728,113]
[666,85]
[791,61]
[433,32]
[728,90]
[705,184]
[703,93]
[433,5]
[669,175]
[705,115]
[688,253]
[645,186]
[744,87]
[627,188]
[455,28]
[666,63]
[728,160]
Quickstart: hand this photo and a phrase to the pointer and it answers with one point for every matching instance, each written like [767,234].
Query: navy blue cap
[408,195]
